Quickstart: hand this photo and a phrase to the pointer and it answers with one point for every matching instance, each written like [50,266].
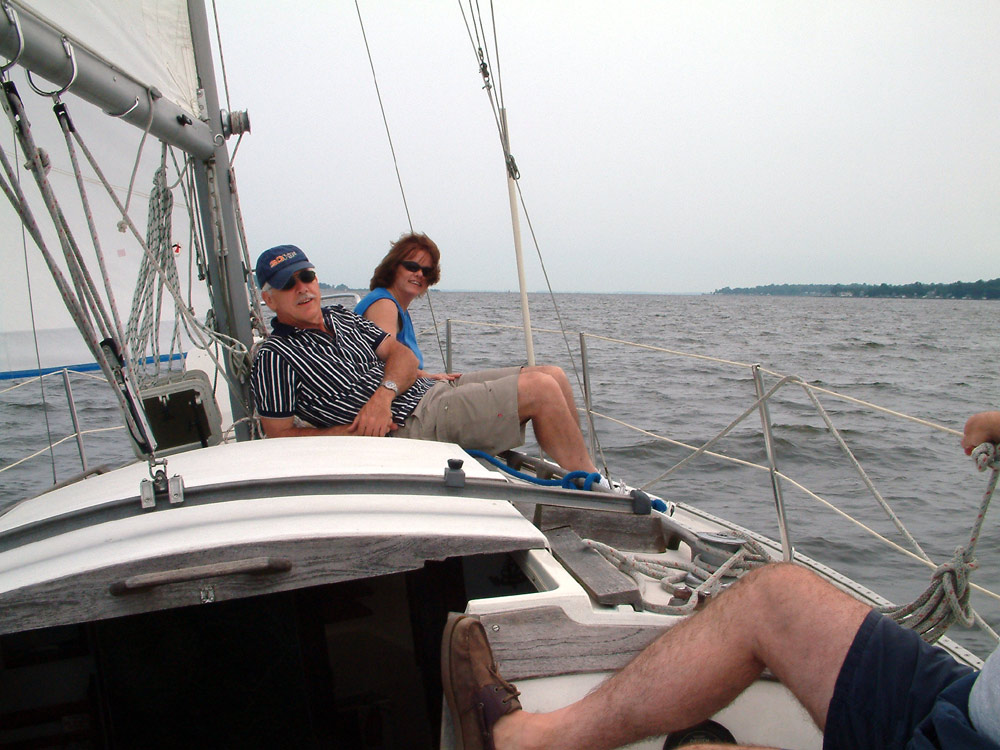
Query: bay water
[936,360]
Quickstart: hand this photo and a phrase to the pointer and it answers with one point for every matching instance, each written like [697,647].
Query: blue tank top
[406,333]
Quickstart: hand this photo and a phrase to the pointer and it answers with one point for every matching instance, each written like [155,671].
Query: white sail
[150,40]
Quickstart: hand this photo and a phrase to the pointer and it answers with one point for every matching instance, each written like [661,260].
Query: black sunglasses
[306,276]
[411,266]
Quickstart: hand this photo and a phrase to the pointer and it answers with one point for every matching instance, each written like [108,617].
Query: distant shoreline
[972,290]
[959,290]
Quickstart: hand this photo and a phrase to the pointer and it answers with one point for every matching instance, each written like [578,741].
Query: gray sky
[663,146]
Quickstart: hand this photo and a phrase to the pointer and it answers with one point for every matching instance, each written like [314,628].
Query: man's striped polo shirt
[325,377]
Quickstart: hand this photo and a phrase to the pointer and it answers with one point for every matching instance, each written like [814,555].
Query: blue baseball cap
[276,266]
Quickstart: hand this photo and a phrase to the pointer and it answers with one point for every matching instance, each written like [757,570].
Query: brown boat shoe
[477,695]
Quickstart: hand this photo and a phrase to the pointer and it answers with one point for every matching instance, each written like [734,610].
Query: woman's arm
[383,313]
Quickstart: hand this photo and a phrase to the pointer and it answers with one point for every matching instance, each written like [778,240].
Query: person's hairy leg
[780,616]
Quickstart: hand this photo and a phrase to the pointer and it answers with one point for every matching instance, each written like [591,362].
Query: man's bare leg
[540,398]
[781,616]
[559,375]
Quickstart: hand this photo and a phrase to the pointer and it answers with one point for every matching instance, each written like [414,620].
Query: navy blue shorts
[897,691]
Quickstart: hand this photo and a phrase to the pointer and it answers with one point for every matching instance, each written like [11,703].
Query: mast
[227,275]
[42,49]
[515,220]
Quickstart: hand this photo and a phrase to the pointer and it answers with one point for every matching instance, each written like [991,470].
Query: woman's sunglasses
[307,276]
[413,267]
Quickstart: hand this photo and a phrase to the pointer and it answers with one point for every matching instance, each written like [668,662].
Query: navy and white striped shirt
[325,378]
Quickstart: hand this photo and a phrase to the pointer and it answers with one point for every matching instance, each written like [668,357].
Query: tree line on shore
[956,290]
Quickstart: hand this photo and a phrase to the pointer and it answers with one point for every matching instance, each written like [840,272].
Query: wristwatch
[391,385]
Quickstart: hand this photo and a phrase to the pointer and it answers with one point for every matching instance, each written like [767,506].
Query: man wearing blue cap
[343,375]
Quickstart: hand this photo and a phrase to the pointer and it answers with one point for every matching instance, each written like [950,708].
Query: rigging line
[204,336]
[52,444]
[66,125]
[34,333]
[184,181]
[253,291]
[508,161]
[126,221]
[14,109]
[385,121]
[180,173]
[496,46]
[138,156]
[395,163]
[481,29]
[562,326]
[483,69]
[222,56]
[67,173]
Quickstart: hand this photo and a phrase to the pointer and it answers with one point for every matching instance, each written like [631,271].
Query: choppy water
[932,359]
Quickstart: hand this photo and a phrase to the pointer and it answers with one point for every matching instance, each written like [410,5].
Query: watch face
[391,385]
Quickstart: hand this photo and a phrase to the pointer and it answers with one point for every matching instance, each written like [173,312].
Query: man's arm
[375,417]
[286,428]
[983,427]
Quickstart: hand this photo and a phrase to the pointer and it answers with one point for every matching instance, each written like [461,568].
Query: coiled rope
[675,576]
[142,333]
[946,599]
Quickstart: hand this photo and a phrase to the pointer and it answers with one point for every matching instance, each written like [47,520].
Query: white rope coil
[673,574]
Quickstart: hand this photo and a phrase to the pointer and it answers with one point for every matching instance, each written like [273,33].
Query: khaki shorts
[478,411]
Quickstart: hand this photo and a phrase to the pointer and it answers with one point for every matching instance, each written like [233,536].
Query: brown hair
[385,272]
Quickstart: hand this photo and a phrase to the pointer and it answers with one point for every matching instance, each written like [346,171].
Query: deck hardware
[161,488]
[15,21]
[134,106]
[234,123]
[175,489]
[707,731]
[788,551]
[208,594]
[496,628]
[642,504]
[454,476]
[716,547]
[68,49]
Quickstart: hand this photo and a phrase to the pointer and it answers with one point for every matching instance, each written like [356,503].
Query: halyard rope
[946,599]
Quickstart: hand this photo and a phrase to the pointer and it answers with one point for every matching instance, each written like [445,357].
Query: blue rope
[567,482]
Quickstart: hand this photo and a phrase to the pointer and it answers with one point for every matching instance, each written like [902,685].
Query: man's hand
[983,427]
[444,376]
[375,417]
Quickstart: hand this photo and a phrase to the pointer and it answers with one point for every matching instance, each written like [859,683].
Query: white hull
[362,538]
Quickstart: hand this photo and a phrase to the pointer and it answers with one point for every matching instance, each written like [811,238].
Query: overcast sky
[663,146]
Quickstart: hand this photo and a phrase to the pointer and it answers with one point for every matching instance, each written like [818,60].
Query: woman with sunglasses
[407,271]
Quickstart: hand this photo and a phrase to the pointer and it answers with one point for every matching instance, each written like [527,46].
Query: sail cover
[148,40]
